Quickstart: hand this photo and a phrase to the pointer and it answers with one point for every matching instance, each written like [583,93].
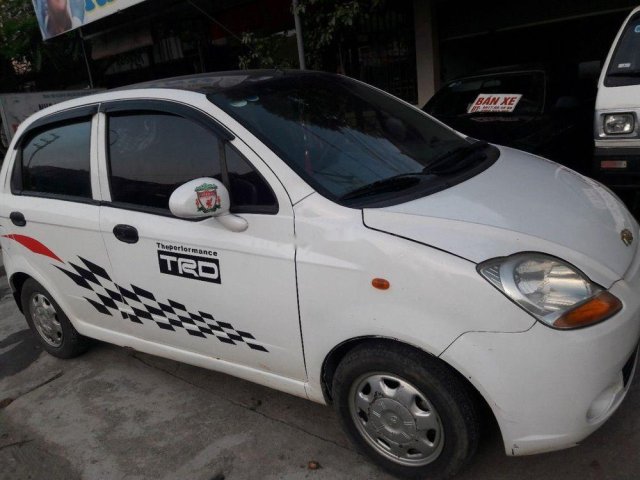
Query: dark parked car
[539,110]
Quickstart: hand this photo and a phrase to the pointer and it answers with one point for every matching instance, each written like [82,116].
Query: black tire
[436,381]
[72,343]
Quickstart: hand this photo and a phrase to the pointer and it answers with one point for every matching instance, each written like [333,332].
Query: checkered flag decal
[170,315]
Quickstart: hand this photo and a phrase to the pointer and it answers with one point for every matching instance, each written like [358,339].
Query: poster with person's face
[59,16]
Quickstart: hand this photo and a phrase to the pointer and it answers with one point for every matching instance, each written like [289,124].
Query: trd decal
[189,266]
[34,245]
[169,315]
[189,262]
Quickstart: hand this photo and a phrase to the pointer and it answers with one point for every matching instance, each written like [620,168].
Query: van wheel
[407,411]
[49,323]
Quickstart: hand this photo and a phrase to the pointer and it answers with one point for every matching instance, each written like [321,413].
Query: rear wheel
[407,411]
[47,320]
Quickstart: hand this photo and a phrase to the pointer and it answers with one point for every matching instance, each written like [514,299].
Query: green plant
[24,56]
[325,24]
[263,51]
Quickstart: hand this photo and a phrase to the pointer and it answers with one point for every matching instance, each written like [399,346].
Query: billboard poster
[56,17]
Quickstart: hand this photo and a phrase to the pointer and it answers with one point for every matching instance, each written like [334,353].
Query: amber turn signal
[380,283]
[599,308]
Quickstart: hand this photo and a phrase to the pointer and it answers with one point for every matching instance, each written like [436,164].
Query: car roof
[203,83]
[215,82]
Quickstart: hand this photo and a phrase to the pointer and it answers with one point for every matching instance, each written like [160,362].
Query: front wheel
[407,411]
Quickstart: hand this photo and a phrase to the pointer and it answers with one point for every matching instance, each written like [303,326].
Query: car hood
[522,203]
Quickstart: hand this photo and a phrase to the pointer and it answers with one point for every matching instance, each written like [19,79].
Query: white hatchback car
[313,234]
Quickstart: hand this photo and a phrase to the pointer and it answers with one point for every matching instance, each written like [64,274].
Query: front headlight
[551,290]
[619,123]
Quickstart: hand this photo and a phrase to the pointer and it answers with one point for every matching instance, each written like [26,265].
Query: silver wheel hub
[392,419]
[396,419]
[44,317]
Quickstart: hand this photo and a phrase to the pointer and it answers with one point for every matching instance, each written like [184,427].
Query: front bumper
[551,389]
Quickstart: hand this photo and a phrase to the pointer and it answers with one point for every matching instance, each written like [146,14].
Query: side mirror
[205,197]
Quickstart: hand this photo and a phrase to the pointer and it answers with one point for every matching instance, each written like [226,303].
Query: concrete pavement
[117,414]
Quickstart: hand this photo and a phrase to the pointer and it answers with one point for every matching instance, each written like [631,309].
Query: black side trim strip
[63,116]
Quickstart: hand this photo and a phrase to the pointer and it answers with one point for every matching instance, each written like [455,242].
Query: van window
[624,68]
[55,160]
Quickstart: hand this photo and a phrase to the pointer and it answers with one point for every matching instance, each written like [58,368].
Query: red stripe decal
[34,245]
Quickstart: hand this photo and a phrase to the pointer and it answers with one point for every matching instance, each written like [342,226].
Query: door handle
[18,219]
[126,233]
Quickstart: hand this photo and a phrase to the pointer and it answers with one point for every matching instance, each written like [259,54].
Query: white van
[313,234]
[617,129]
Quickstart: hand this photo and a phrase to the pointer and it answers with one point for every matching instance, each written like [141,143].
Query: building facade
[406,47]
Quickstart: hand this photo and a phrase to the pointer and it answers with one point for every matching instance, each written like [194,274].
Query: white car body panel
[307,274]
[422,308]
[477,222]
[578,366]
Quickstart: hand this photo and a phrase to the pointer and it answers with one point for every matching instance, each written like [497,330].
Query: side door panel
[250,317]
[198,287]
[60,243]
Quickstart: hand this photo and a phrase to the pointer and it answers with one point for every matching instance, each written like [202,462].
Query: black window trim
[169,107]
[63,118]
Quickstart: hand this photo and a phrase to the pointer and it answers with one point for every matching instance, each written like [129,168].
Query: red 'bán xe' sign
[495,102]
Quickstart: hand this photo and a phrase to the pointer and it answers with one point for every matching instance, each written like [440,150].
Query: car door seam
[413,240]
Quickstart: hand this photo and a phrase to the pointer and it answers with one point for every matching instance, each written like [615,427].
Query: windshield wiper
[395,183]
[459,158]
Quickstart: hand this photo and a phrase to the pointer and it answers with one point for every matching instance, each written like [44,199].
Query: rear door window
[55,161]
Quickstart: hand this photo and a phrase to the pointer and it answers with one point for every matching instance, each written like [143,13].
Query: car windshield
[624,68]
[340,135]
[459,97]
